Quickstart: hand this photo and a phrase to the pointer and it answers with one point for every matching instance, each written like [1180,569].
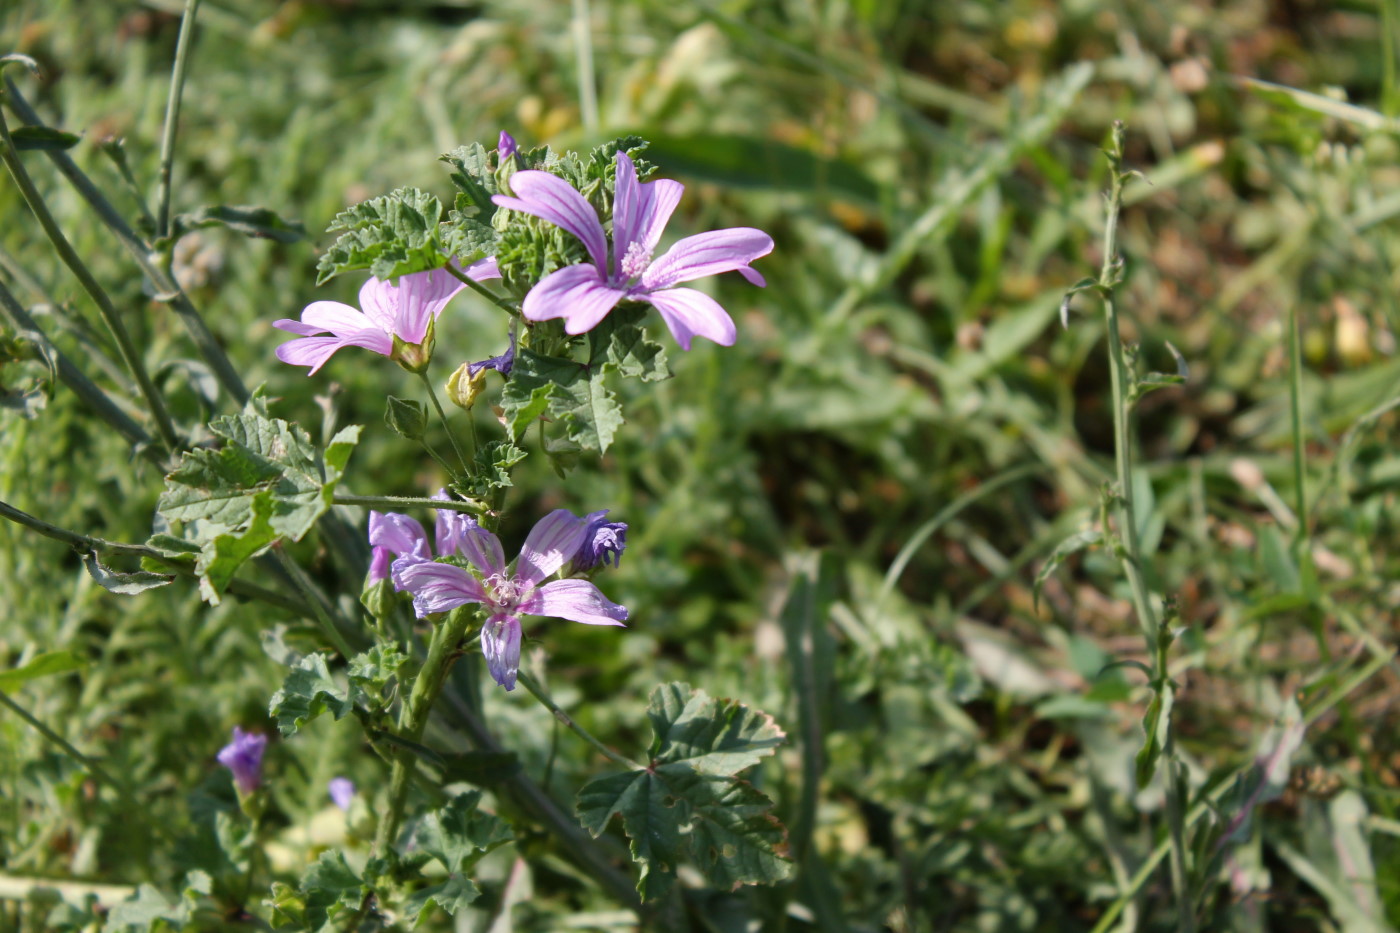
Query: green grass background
[933,189]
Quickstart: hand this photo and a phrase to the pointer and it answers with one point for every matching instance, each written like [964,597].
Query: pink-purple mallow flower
[243,756]
[584,294]
[391,318]
[342,791]
[507,593]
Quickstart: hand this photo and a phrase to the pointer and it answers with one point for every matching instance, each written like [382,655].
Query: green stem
[172,117]
[10,155]
[587,82]
[1128,525]
[90,764]
[442,651]
[410,502]
[442,416]
[482,290]
[537,689]
[83,542]
[1295,407]
[80,384]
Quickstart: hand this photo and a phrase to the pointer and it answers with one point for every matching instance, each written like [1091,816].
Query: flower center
[505,591]
[635,260]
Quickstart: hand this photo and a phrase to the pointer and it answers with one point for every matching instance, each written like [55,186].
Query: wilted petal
[500,644]
[436,587]
[640,211]
[691,314]
[576,293]
[554,539]
[707,254]
[401,535]
[603,541]
[550,198]
[575,600]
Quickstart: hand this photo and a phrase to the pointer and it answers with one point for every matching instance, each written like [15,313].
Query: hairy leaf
[308,691]
[127,584]
[393,235]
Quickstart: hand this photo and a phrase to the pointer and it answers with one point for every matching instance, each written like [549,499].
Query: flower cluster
[506,592]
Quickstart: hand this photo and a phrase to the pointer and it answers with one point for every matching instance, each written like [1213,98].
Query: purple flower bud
[505,147]
[243,756]
[602,542]
[342,791]
[378,565]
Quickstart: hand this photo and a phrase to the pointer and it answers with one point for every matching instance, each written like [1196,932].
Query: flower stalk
[1130,553]
[443,647]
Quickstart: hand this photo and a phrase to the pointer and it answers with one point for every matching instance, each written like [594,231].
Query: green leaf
[712,736]
[1071,545]
[28,138]
[126,584]
[491,469]
[476,180]
[407,418]
[1155,723]
[620,342]
[535,382]
[373,669]
[264,483]
[41,665]
[308,691]
[687,802]
[330,889]
[457,836]
[246,219]
[391,236]
[146,908]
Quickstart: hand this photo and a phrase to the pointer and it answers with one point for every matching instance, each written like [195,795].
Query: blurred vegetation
[902,398]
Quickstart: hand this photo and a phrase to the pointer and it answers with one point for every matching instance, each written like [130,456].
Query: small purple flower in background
[243,756]
[386,311]
[603,542]
[584,294]
[342,791]
[507,595]
[505,146]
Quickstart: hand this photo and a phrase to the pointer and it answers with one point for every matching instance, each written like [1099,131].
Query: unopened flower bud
[463,387]
[243,756]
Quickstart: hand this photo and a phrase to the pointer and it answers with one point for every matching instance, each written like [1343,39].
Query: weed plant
[1044,503]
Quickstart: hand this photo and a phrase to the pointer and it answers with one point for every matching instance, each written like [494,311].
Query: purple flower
[505,146]
[506,594]
[243,756]
[342,791]
[386,311]
[393,534]
[602,542]
[500,364]
[584,294]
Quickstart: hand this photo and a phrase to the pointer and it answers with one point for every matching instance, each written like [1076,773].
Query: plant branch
[413,718]
[442,416]
[410,502]
[9,153]
[537,689]
[172,117]
[482,290]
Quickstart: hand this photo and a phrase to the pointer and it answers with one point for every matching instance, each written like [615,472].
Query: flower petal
[576,293]
[338,318]
[575,600]
[401,535]
[554,539]
[419,298]
[377,301]
[551,198]
[458,533]
[436,587]
[707,254]
[483,269]
[640,211]
[500,644]
[297,327]
[309,351]
[690,314]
